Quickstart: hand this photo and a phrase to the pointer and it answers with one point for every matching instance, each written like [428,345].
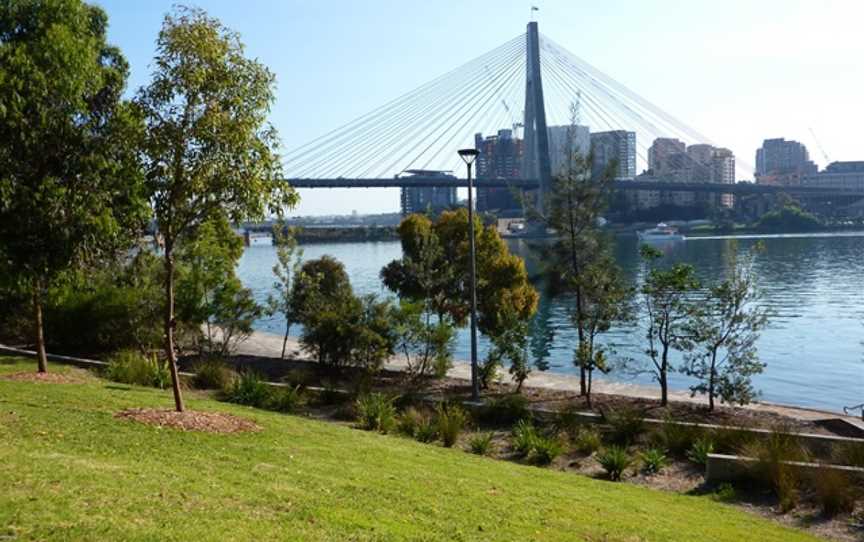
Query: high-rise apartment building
[500,158]
[428,198]
[783,162]
[666,154]
[618,146]
[563,142]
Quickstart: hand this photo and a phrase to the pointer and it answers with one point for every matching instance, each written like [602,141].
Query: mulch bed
[207,422]
[52,378]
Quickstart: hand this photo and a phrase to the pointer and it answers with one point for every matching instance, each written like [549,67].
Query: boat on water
[662,232]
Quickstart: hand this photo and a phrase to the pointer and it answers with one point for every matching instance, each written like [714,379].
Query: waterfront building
[564,141]
[848,175]
[618,146]
[429,198]
[666,154]
[500,158]
[783,162]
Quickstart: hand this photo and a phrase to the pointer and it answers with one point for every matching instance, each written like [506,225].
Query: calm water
[813,284]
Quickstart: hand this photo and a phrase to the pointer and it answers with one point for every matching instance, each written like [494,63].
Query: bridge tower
[535,159]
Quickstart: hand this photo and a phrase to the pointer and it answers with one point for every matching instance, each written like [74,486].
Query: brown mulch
[52,378]
[207,422]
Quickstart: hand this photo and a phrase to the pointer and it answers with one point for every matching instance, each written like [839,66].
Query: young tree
[209,154]
[724,330]
[70,185]
[666,296]
[288,260]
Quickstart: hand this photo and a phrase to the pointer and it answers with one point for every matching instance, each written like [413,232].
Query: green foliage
[418,424]
[450,420]
[730,440]
[427,430]
[287,399]
[213,374]
[698,453]
[835,492]
[71,189]
[772,468]
[505,410]
[250,389]
[509,346]
[587,441]
[524,436]
[427,344]
[568,420]
[131,367]
[615,460]
[481,444]
[725,493]
[653,460]
[789,218]
[287,266]
[546,449]
[626,425]
[676,437]
[375,412]
[850,454]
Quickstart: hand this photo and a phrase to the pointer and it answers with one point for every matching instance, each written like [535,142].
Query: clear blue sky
[738,71]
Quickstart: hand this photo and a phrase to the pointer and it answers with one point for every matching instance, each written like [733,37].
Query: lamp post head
[468,155]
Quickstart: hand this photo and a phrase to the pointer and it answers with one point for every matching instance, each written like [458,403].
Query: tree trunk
[664,377]
[588,391]
[170,325]
[41,356]
[711,380]
[285,339]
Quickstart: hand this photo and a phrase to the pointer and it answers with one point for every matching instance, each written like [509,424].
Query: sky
[738,71]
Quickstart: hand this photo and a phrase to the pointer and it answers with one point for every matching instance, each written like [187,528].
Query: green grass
[70,470]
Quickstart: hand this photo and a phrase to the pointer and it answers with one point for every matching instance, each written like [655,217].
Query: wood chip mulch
[208,422]
[33,376]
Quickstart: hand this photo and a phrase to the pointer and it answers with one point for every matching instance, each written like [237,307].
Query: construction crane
[819,146]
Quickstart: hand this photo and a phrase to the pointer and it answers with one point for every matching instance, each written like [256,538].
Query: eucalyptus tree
[209,153]
[71,191]
[287,266]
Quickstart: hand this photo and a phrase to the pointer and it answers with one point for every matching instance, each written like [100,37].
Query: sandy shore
[270,345]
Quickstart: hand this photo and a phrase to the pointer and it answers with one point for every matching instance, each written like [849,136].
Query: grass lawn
[70,470]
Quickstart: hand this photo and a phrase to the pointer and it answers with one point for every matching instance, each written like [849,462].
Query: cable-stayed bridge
[526,85]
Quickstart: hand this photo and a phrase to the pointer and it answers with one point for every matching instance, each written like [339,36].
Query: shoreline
[265,344]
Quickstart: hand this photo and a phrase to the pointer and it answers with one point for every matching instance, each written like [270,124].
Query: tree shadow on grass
[117,387]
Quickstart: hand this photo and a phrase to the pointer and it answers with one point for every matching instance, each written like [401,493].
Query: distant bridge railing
[532,184]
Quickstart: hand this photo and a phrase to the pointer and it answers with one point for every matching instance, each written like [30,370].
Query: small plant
[569,421]
[410,419]
[426,431]
[251,390]
[213,374]
[481,444]
[132,367]
[850,454]
[653,460]
[835,492]
[505,410]
[676,437]
[698,453]
[731,439]
[450,421]
[546,449]
[725,493]
[615,460]
[626,424]
[288,399]
[587,441]
[524,437]
[772,467]
[375,412]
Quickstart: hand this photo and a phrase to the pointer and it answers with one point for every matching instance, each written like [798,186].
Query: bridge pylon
[536,162]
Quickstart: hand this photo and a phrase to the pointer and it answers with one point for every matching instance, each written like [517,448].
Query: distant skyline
[740,73]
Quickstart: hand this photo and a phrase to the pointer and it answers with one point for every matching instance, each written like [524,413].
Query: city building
[618,146]
[428,198]
[848,175]
[500,158]
[666,154]
[783,162]
[563,142]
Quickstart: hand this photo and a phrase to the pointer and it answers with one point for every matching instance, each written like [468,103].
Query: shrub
[675,437]
[725,493]
[569,421]
[588,441]
[615,461]
[450,422]
[627,425]
[524,436]
[481,444]
[251,390]
[375,412]
[427,430]
[546,449]
[771,468]
[213,374]
[835,492]
[850,454]
[287,399]
[653,460]
[731,439]
[410,419]
[131,367]
[505,410]
[698,453]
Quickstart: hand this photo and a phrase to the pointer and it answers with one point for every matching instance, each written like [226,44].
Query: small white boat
[663,232]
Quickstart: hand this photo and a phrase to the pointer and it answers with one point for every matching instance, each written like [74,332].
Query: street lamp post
[468,156]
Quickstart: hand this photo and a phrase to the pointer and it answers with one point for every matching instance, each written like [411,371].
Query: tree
[666,298]
[288,260]
[724,330]
[71,191]
[574,210]
[209,154]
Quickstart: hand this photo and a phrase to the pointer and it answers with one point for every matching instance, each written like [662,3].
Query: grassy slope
[70,470]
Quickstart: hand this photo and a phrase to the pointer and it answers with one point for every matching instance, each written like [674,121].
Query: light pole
[468,156]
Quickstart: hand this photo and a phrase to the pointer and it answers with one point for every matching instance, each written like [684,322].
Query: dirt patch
[52,378]
[207,422]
